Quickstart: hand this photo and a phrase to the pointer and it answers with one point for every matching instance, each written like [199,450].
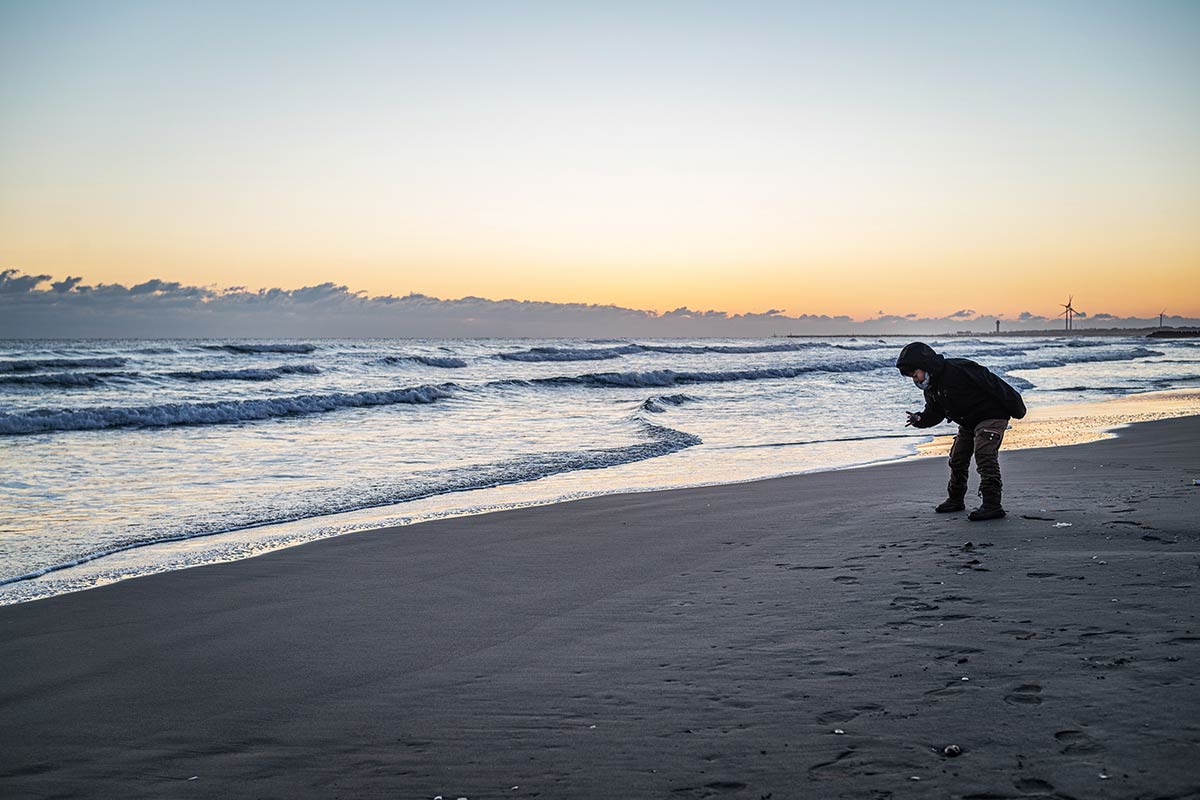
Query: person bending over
[961,391]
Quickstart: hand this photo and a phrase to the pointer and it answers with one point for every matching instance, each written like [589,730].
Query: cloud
[66,284]
[165,308]
[13,282]
[154,286]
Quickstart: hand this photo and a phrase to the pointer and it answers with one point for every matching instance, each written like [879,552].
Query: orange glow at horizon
[658,265]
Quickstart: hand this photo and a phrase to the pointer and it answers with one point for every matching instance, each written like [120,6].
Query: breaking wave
[1018,383]
[270,374]
[31,364]
[1082,358]
[605,353]
[261,348]
[570,353]
[655,405]
[96,418]
[785,347]
[997,352]
[446,362]
[668,377]
[65,380]
[862,346]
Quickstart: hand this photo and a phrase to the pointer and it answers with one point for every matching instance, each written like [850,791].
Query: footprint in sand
[951,688]
[912,603]
[1033,786]
[965,651]
[846,714]
[1027,694]
[1076,742]
[720,786]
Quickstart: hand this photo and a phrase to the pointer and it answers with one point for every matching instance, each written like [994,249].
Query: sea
[121,458]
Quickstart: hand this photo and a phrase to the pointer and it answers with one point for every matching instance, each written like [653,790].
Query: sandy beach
[824,635]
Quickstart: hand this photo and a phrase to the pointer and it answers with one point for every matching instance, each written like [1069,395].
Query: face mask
[923,385]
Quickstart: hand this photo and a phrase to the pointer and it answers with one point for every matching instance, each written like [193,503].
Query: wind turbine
[1069,314]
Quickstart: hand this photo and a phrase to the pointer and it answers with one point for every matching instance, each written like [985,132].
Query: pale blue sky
[605,152]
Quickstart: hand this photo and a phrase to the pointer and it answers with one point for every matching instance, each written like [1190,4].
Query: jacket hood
[919,355]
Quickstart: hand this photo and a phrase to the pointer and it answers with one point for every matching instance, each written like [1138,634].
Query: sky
[855,159]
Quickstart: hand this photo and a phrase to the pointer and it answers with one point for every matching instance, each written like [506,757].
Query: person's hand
[913,418]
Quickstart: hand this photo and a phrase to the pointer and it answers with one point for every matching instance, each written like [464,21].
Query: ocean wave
[1082,358]
[446,362]
[570,353]
[866,438]
[997,352]
[244,349]
[268,374]
[156,351]
[686,349]
[668,377]
[658,441]
[605,353]
[31,364]
[863,346]
[209,413]
[67,380]
[654,405]
[1101,389]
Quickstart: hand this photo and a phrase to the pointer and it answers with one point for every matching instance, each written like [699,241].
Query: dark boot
[988,435]
[950,504]
[989,510]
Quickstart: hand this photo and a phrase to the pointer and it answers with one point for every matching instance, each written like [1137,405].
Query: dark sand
[693,643]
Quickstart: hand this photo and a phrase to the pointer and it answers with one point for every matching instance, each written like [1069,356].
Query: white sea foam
[82,419]
[658,440]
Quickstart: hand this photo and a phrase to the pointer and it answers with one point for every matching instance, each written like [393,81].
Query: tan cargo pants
[984,442]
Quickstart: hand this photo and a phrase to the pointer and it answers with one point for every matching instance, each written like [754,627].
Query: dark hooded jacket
[960,390]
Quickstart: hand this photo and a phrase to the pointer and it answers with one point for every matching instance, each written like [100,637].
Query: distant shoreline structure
[1152,333]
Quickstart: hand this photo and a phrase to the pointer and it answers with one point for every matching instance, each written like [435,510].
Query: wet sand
[823,636]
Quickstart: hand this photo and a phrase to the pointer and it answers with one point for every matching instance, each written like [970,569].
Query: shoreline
[1080,422]
[1047,426]
[805,634]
